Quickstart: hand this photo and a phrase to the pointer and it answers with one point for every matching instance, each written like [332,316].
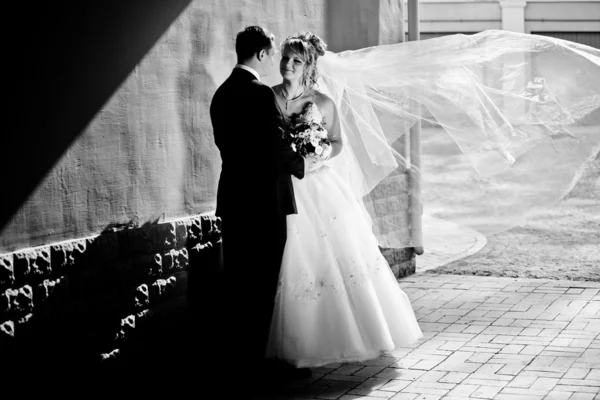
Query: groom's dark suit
[255,194]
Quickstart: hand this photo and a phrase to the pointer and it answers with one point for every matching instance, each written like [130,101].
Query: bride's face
[291,66]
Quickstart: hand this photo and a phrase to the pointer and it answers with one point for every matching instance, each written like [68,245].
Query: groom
[254,195]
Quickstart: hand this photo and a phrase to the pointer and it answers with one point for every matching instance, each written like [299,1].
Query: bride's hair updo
[309,47]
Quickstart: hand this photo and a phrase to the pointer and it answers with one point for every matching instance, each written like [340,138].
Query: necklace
[287,101]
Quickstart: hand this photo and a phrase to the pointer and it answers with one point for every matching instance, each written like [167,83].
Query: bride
[510,123]
[337,298]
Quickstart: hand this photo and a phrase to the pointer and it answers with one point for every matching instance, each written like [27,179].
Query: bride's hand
[309,164]
[316,163]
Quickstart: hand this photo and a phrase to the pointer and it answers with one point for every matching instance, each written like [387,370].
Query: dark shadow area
[134,304]
[65,60]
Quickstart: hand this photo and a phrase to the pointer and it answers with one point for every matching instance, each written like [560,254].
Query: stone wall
[394,191]
[98,302]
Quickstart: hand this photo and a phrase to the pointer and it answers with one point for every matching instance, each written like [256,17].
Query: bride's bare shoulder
[323,101]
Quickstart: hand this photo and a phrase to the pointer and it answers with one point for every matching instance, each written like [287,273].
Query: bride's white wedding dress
[337,299]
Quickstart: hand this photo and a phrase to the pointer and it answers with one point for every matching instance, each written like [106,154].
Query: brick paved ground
[485,338]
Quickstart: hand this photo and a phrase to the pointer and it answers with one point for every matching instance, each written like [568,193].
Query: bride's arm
[332,124]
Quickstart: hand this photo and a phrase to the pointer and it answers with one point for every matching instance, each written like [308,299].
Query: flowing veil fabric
[509,123]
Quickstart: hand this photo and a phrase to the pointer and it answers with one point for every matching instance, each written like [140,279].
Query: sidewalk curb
[445,242]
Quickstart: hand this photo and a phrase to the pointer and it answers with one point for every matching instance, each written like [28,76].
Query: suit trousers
[253,247]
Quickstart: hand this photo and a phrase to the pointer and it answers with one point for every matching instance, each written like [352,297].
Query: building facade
[574,20]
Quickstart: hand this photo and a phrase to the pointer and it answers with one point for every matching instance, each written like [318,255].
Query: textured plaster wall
[149,152]
[112,112]
[355,24]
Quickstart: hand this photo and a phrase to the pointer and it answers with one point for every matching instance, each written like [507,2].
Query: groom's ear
[261,55]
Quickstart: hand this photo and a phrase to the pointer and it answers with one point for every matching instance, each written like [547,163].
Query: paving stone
[555,395]
[405,396]
[402,374]
[332,393]
[366,394]
[395,385]
[347,369]
[426,388]
[463,390]
[480,357]
[594,375]
[578,389]
[512,370]
[368,371]
[576,373]
[454,377]
[531,350]
[486,392]
[345,378]
[373,383]
[583,396]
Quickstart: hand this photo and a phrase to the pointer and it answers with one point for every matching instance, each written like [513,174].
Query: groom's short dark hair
[252,40]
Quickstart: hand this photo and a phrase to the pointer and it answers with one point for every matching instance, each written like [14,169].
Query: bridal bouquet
[308,136]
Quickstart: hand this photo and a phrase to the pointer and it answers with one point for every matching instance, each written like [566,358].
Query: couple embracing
[305,283]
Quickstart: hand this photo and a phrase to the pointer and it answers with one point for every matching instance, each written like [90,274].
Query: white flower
[294,146]
[310,113]
[322,134]
[318,150]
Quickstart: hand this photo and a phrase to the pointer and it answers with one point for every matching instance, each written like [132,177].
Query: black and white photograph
[301,200]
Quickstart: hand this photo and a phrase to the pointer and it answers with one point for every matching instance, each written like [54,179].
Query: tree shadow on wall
[66,60]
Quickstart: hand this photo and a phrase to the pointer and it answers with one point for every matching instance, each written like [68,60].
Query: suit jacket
[256,163]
